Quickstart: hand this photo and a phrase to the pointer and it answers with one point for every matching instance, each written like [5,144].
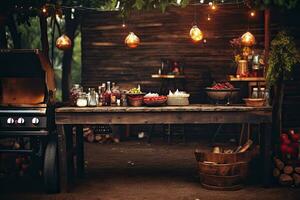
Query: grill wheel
[51,166]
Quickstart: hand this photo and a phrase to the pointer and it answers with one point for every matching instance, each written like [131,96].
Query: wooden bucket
[223,158]
[222,171]
[231,169]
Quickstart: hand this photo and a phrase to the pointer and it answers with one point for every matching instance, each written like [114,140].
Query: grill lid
[26,77]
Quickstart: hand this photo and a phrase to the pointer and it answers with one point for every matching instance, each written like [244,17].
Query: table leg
[70,152]
[62,155]
[79,151]
[266,153]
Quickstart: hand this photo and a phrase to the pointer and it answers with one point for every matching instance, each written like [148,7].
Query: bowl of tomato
[155,100]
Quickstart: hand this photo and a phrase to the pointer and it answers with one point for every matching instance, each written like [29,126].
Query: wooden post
[79,151]
[266,153]
[62,154]
[267,36]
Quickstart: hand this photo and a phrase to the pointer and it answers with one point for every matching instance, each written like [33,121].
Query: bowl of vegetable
[153,99]
[221,91]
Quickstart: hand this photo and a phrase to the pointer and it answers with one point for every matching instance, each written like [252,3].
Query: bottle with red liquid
[107,94]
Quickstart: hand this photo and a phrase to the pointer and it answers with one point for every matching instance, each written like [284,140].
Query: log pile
[287,173]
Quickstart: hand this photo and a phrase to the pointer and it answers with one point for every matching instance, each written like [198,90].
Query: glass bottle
[101,91]
[107,94]
[255,93]
[123,99]
[113,96]
[92,97]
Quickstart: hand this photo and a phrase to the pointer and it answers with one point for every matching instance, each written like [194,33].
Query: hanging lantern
[131,40]
[63,42]
[248,39]
[196,34]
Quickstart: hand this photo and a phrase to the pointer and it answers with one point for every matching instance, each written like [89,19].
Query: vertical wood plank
[70,153]
[266,153]
[79,151]
[62,154]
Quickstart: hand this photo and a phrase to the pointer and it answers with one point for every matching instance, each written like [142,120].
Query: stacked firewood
[286,173]
[91,134]
[287,164]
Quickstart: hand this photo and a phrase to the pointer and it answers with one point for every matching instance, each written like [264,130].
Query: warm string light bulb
[208,17]
[132,41]
[196,34]
[252,13]
[44,9]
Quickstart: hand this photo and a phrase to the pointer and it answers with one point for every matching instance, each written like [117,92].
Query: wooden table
[68,117]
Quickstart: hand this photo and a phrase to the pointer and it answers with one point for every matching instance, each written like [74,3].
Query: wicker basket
[178,101]
[135,100]
[254,102]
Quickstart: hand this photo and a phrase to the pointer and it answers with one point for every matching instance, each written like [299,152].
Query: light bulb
[196,34]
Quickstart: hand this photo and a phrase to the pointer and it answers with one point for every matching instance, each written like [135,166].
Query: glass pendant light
[248,39]
[63,42]
[196,34]
[132,40]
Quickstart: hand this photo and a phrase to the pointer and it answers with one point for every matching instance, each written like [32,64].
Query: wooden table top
[189,108]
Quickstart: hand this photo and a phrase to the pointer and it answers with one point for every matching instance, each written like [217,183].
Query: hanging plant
[283,57]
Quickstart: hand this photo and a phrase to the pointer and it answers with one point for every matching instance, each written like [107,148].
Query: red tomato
[284,148]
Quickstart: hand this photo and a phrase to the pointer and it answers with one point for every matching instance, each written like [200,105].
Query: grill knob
[10,121]
[21,120]
[35,121]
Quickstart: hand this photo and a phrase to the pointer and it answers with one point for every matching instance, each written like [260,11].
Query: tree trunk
[44,36]
[277,113]
[71,27]
[16,36]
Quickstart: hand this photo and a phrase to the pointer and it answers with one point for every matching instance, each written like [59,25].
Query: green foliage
[282,59]
[288,4]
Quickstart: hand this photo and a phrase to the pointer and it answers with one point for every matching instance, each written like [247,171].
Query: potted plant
[282,59]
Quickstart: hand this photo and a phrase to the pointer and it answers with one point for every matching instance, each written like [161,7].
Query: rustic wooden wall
[105,57]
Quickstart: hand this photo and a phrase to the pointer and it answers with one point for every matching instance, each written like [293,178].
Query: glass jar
[75,91]
[92,97]
[262,93]
[82,100]
[242,70]
[254,93]
[267,97]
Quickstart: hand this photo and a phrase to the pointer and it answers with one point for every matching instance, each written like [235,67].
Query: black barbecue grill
[27,108]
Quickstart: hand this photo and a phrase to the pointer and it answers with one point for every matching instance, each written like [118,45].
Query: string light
[201,1]
[213,7]
[252,13]
[44,10]
[208,17]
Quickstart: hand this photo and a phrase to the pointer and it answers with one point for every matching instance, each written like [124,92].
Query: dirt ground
[139,171]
